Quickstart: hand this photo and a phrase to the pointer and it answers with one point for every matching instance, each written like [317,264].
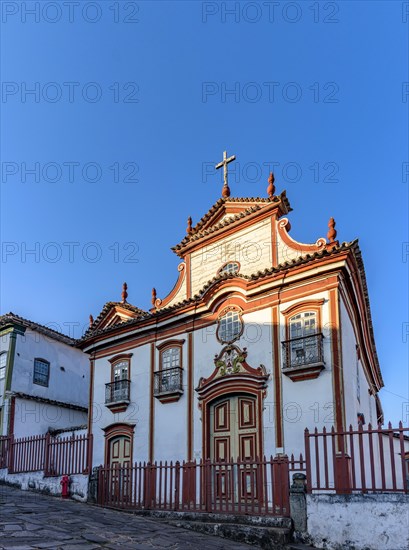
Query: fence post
[343,467]
[90,439]
[47,454]
[147,485]
[208,485]
[281,485]
[177,485]
[10,458]
[307,459]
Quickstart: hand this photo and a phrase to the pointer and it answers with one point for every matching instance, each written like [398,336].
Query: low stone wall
[358,522]
[36,481]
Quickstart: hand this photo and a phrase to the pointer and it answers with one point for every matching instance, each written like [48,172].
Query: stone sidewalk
[31,520]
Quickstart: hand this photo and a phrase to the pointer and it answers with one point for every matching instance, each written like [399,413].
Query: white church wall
[251,247]
[170,433]
[69,369]
[137,412]
[257,337]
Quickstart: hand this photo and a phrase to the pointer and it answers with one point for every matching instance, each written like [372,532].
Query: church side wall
[357,397]
[251,247]
[137,412]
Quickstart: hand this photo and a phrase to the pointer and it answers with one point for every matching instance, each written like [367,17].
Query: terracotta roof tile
[12,319]
[107,307]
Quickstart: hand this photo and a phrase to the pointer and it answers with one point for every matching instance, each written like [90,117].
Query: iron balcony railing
[168,380]
[306,350]
[117,391]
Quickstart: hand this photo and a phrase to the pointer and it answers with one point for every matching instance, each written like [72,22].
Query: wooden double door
[234,448]
[234,430]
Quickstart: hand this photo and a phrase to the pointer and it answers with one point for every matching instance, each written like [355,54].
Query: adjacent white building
[260,337]
[44,379]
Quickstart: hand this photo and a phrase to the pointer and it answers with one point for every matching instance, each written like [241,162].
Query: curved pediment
[288,248]
[178,291]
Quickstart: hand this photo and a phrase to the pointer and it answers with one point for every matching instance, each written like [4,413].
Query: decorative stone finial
[332,232]
[189,225]
[271,187]
[91,320]
[153,296]
[124,293]
[226,191]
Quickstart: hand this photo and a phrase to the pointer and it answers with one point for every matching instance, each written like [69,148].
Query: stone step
[267,538]
[256,521]
[299,546]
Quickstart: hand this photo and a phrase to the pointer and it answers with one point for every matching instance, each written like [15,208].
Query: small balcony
[168,384]
[303,358]
[117,395]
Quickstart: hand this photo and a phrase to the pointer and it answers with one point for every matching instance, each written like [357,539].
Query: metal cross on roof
[224,163]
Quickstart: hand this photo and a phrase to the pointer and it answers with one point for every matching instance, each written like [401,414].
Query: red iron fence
[259,487]
[53,456]
[358,460]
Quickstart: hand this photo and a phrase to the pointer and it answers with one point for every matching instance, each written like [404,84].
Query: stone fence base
[36,481]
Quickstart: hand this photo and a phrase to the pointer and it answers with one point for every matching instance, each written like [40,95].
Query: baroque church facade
[261,337]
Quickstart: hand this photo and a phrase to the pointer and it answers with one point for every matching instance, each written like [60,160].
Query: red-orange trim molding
[190,396]
[151,405]
[278,393]
[337,370]
[170,344]
[120,357]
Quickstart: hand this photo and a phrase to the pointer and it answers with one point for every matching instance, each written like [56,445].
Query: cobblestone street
[30,520]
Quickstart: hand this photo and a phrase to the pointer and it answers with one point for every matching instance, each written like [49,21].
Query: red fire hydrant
[65,486]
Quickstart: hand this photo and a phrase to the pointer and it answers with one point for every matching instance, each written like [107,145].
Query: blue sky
[131,104]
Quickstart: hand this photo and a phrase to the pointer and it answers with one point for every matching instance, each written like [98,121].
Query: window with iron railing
[117,391]
[168,380]
[304,346]
[306,350]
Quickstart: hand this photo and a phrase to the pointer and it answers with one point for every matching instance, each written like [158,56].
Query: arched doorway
[231,399]
[119,443]
[118,461]
[119,451]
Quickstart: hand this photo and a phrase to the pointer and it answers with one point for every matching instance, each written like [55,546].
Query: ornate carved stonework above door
[231,365]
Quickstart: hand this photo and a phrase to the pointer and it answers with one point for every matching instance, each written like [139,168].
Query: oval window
[230,327]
